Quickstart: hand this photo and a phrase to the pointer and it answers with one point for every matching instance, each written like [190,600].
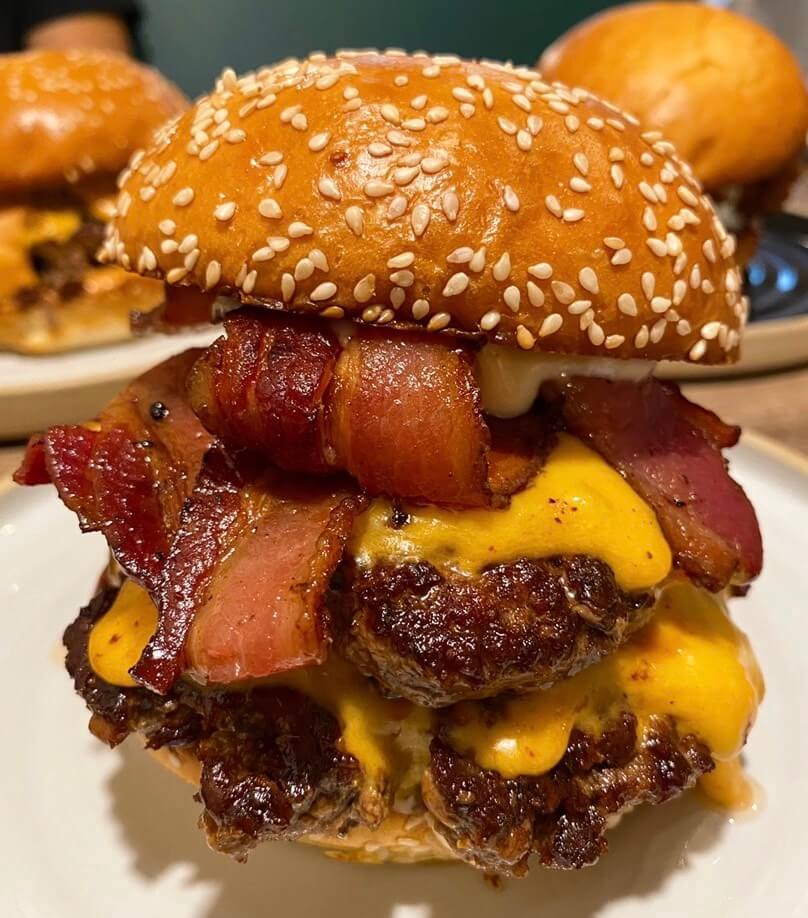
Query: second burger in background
[727,92]
[69,122]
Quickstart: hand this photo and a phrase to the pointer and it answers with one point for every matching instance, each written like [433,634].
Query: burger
[69,123]
[418,560]
[726,91]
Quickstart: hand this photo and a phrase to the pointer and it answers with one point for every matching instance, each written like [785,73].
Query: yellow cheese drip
[119,636]
[689,662]
[20,229]
[577,504]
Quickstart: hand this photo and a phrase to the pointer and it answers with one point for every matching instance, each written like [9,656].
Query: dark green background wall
[191,40]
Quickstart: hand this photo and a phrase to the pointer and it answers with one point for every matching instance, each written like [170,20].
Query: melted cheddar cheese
[118,638]
[689,662]
[20,229]
[577,504]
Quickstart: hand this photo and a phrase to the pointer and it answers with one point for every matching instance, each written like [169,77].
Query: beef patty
[439,638]
[273,768]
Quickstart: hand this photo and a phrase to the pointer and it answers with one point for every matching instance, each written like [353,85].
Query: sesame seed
[450,205]
[375,188]
[731,281]
[421,215]
[511,199]
[365,288]
[646,158]
[512,298]
[278,243]
[524,141]
[581,163]
[146,193]
[241,275]
[627,304]
[502,267]
[401,80]
[595,123]
[698,350]
[439,321]
[695,277]
[403,176]
[419,102]
[616,173]
[580,185]
[707,286]
[648,192]
[522,101]
[710,330]
[490,320]
[208,150]
[379,149]
[288,113]
[507,125]
[617,125]
[660,192]
[649,220]
[397,297]
[355,218]
[390,113]
[561,108]
[579,307]
[709,250]
[488,98]
[535,294]
[467,110]
[477,261]
[265,253]
[403,278]
[167,227]
[273,158]
[287,287]
[658,330]
[641,338]
[297,229]
[572,123]
[420,309]
[524,338]
[660,304]
[404,260]
[551,324]
[235,136]
[318,141]
[573,214]
[414,124]
[552,204]
[588,280]
[168,246]
[456,284]
[396,207]
[687,196]
[188,243]
[542,270]
[328,189]
[683,327]
[564,293]
[657,246]
[176,274]
[249,282]
[410,159]
[323,291]
[673,244]
[213,274]
[225,212]
[352,105]
[616,155]
[648,283]
[318,259]
[270,208]
[437,114]
[183,197]
[148,260]
[596,334]
[279,175]
[371,313]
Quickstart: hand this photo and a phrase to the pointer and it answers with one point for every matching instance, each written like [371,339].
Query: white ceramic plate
[36,392]
[87,832]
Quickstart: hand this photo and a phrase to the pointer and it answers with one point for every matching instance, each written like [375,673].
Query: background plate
[90,832]
[36,392]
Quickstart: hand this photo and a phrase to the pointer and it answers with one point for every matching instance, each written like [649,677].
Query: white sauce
[510,379]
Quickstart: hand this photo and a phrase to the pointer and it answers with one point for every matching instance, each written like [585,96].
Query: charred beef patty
[437,639]
[560,817]
[271,766]
[61,266]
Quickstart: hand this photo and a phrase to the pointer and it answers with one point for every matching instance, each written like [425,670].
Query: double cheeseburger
[69,122]
[726,91]
[419,560]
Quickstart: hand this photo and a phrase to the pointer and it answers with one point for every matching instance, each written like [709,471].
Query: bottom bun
[400,839]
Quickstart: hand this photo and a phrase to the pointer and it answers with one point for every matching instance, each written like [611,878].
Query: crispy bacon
[182,308]
[400,412]
[669,450]
[244,583]
[128,475]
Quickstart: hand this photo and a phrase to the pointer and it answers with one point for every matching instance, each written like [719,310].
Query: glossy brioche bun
[438,193]
[726,91]
[399,839]
[68,114]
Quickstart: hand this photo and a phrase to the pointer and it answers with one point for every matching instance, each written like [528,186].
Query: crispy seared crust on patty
[272,767]
[438,638]
[562,816]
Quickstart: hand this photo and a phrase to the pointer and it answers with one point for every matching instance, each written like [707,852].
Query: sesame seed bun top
[69,114]
[436,193]
[726,91]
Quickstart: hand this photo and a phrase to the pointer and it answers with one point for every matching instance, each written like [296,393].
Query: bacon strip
[669,451]
[400,412]
[244,584]
[128,475]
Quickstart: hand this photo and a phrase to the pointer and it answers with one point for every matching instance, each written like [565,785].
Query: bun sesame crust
[432,192]
[726,91]
[68,114]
